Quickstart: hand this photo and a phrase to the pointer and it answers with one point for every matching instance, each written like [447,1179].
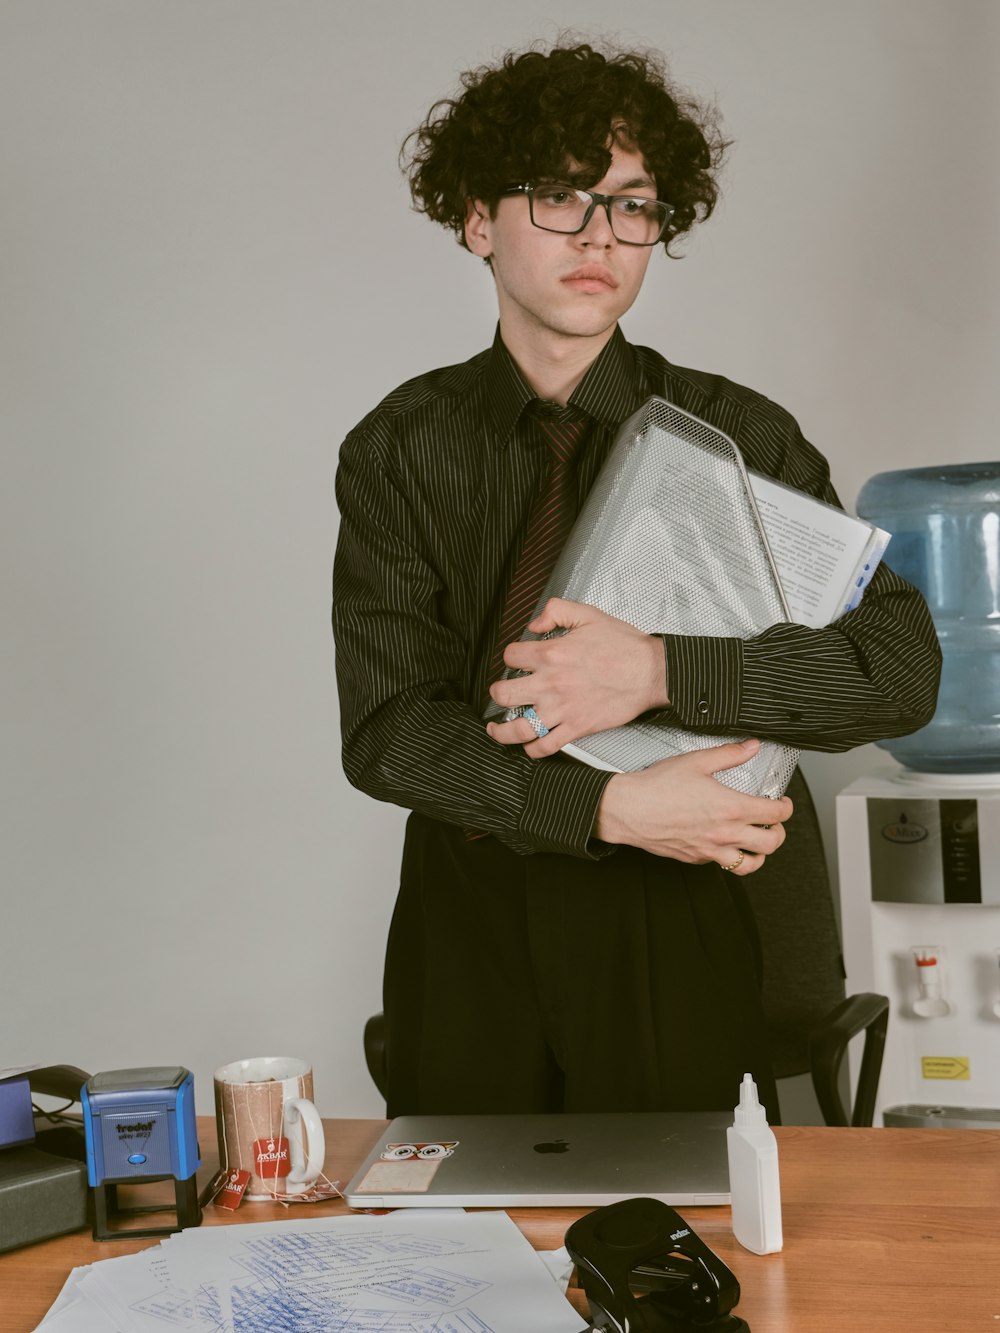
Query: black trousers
[551,983]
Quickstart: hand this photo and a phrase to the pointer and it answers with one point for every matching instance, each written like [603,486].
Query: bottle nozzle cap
[749,1112]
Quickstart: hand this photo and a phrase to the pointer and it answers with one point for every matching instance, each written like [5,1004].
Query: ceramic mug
[262,1107]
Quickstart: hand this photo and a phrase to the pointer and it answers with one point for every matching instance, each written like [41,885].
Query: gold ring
[737,863]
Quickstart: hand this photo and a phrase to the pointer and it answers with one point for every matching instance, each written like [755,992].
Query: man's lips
[591,278]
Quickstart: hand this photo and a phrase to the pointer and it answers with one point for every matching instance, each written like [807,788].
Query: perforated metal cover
[670,541]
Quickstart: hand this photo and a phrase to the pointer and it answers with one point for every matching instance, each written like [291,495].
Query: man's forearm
[870,675]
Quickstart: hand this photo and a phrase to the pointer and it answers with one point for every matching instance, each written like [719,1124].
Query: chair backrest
[375,1052]
[803,961]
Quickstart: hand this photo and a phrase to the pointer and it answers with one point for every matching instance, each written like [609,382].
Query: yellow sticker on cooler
[945,1066]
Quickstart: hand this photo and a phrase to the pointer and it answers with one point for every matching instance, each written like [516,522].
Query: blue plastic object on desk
[140,1125]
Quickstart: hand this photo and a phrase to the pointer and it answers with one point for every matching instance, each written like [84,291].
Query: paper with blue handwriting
[462,1273]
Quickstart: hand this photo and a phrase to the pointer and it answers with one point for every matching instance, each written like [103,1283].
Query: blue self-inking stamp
[140,1126]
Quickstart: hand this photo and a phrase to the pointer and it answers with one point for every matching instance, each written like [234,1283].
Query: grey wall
[209,273]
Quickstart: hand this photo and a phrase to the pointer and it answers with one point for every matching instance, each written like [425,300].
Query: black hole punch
[643,1270]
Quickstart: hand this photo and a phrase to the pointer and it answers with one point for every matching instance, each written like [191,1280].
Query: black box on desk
[40,1196]
[16,1123]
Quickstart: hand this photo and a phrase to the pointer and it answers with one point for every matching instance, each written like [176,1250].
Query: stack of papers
[403,1273]
[677,537]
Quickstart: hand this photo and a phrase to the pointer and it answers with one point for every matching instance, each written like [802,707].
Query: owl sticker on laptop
[413,1152]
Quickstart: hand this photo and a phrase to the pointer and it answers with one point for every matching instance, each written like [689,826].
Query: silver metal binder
[669,540]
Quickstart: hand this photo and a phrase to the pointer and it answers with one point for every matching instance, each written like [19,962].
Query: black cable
[58,1116]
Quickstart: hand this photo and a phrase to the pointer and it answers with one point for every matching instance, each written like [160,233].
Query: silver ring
[538,726]
[737,863]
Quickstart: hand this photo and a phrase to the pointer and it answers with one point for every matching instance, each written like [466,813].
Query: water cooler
[919,840]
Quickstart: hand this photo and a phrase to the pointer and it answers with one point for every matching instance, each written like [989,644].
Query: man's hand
[676,808]
[601,673]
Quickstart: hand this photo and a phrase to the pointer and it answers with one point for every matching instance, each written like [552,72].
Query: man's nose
[598,229]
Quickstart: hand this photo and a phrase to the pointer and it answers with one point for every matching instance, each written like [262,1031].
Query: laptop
[571,1160]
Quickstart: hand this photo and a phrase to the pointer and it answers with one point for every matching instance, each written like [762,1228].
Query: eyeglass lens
[633,219]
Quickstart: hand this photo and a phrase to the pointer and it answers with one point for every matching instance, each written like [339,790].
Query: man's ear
[478,229]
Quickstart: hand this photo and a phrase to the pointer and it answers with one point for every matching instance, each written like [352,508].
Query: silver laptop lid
[581,1160]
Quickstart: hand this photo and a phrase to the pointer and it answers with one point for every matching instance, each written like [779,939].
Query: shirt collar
[507,391]
[610,390]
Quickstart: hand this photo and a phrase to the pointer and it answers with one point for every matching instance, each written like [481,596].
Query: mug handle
[298,1110]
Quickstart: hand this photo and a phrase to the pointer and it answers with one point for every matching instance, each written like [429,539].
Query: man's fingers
[517,732]
[517,690]
[521,732]
[717,757]
[557,613]
[530,655]
[755,840]
[542,746]
[522,656]
[744,864]
[501,691]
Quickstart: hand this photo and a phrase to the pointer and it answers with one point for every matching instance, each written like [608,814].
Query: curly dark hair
[535,113]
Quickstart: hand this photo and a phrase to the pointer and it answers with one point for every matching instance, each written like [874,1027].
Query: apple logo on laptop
[557,1145]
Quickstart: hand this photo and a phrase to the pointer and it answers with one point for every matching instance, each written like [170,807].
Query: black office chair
[809,1020]
[375,1052]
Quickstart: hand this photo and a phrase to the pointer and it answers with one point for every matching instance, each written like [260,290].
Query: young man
[565,938]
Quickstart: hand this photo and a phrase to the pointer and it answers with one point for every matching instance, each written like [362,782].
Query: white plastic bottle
[753,1175]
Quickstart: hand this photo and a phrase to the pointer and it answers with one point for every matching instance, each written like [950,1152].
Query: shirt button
[702,706]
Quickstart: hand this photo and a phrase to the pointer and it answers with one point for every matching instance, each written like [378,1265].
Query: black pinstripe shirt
[434,488]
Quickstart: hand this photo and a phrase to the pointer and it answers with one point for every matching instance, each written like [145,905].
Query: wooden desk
[886,1231]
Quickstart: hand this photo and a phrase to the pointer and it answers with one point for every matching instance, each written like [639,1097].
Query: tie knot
[562,429]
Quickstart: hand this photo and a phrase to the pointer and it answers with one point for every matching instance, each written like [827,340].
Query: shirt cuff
[704,681]
[562,805]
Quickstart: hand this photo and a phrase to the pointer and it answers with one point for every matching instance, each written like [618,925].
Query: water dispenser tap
[929,1002]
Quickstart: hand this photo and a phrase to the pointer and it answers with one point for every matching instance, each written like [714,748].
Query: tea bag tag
[228,1188]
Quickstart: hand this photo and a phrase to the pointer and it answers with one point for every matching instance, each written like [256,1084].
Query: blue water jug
[945,525]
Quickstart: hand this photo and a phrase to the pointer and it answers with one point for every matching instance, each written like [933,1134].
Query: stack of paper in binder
[677,537]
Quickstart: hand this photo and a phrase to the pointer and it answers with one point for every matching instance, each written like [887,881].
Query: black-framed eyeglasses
[634,219]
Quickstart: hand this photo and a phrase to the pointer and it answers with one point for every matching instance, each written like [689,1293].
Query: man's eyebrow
[640,182]
[636,183]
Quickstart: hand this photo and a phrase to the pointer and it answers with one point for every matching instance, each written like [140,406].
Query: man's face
[550,283]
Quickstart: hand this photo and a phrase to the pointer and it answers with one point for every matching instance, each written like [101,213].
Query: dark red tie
[548,527]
